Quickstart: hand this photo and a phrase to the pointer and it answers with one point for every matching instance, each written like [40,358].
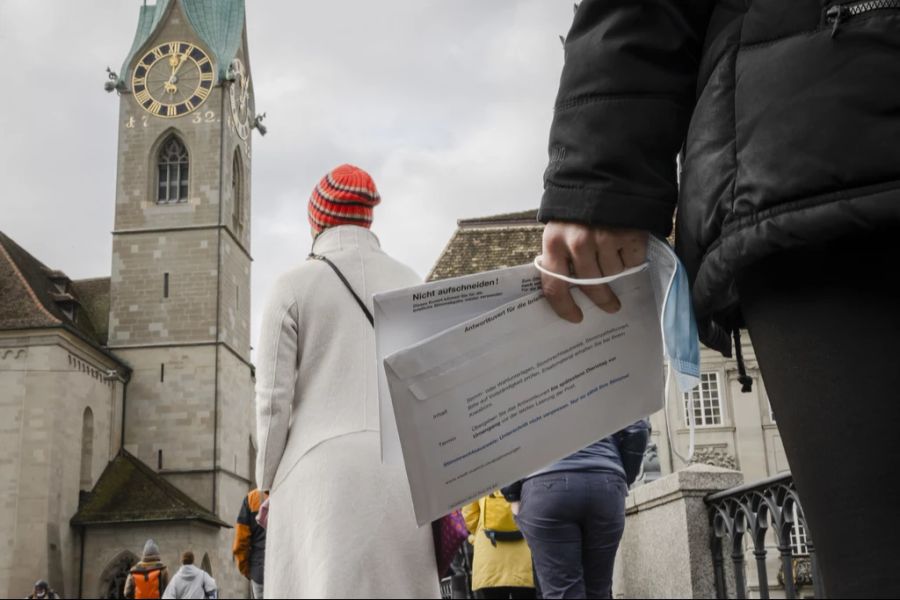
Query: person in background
[149,577]
[572,513]
[43,591]
[190,582]
[249,548]
[788,210]
[501,567]
[340,523]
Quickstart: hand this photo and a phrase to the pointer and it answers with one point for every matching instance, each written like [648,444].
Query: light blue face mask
[676,321]
[679,328]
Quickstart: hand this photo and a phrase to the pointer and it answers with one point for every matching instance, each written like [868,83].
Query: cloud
[447,104]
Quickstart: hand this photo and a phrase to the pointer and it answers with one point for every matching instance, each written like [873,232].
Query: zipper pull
[834,15]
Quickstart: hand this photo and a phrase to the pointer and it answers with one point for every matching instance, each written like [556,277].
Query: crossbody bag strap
[346,283]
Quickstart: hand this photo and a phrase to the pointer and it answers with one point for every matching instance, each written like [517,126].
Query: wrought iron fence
[751,511]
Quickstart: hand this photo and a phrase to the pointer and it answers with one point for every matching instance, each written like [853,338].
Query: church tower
[180,286]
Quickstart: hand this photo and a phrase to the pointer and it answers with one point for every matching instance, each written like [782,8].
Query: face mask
[677,324]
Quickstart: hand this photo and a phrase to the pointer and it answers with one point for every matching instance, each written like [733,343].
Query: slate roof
[93,294]
[492,242]
[129,491]
[219,23]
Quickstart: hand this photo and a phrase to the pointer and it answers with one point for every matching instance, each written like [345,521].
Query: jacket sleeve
[163,579]
[471,513]
[275,380]
[209,586]
[632,442]
[242,534]
[169,591]
[625,98]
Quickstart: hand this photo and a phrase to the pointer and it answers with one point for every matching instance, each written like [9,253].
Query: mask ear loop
[692,425]
[592,281]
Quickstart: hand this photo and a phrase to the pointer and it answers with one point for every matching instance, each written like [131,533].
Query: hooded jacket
[191,582]
[249,547]
[785,113]
[150,562]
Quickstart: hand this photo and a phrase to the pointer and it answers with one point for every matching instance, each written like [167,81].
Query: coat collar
[343,237]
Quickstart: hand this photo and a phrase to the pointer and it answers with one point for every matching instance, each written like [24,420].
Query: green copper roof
[219,23]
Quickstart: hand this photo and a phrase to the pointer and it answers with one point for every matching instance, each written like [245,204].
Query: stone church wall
[42,413]
[103,545]
[171,403]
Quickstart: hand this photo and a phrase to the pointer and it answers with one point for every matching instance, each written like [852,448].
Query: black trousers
[825,325]
[505,593]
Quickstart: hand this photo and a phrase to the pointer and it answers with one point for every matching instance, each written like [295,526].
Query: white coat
[341,524]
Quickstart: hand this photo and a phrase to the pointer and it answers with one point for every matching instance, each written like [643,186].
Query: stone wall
[175,415]
[104,544]
[48,380]
[665,551]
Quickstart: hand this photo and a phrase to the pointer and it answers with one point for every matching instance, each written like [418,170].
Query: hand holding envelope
[504,386]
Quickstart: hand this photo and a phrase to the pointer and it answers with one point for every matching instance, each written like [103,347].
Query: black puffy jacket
[787,111]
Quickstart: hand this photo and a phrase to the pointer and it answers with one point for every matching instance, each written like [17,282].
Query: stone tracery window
[172,169]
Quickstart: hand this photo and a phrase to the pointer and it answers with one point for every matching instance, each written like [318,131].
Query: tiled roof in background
[32,295]
[129,491]
[93,294]
[487,243]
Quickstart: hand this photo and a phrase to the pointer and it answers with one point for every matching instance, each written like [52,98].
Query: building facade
[130,397]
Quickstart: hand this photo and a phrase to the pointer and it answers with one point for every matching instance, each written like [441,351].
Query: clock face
[172,79]
[240,99]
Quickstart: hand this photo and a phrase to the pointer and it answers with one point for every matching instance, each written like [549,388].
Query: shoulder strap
[346,283]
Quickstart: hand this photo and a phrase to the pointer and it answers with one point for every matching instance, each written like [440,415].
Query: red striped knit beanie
[345,196]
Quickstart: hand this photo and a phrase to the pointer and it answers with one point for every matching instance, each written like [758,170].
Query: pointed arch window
[172,169]
[237,193]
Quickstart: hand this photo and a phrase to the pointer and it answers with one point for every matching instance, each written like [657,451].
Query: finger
[634,249]
[584,259]
[557,291]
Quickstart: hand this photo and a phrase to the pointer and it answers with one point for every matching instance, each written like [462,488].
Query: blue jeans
[573,523]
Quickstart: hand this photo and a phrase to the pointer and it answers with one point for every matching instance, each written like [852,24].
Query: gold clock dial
[240,99]
[172,79]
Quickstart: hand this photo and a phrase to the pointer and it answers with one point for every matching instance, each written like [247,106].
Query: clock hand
[178,66]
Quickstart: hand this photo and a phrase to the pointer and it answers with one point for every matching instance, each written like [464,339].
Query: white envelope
[504,394]
[407,316]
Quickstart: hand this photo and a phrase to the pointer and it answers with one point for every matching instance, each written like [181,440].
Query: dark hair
[187,557]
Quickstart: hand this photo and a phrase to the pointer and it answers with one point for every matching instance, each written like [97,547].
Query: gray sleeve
[276,377]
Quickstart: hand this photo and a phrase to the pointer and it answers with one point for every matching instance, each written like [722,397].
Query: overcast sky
[446,103]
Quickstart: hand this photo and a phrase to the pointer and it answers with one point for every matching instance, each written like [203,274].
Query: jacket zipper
[838,13]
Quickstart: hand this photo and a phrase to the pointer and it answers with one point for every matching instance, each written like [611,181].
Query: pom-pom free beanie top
[345,196]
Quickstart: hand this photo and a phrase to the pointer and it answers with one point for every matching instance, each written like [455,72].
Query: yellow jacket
[507,563]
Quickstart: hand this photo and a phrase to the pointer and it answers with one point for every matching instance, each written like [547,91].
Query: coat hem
[801,223]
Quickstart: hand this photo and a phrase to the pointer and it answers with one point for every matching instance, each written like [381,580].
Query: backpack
[146,584]
[497,520]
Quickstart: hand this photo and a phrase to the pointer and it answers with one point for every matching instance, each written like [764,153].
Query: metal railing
[752,510]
